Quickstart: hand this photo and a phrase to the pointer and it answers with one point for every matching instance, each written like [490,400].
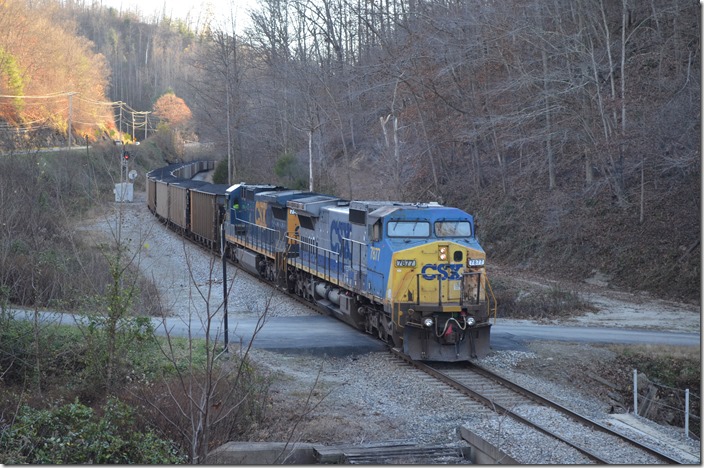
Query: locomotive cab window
[453,229]
[408,229]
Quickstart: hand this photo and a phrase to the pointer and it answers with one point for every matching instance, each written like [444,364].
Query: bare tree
[202,401]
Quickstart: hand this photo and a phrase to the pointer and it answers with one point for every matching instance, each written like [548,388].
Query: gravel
[353,400]
[187,277]
[394,402]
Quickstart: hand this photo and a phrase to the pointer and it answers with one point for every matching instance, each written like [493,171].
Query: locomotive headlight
[470,321]
[428,322]
[442,253]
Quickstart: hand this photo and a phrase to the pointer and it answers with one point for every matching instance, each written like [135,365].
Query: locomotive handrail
[254,224]
[312,245]
[326,272]
[461,300]
[359,264]
[258,242]
[488,306]
[354,241]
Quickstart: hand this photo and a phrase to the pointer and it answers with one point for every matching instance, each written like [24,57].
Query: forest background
[571,130]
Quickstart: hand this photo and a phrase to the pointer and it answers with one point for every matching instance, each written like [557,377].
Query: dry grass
[657,350]
[537,303]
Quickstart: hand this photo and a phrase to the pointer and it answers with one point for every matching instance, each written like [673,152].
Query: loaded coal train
[412,274]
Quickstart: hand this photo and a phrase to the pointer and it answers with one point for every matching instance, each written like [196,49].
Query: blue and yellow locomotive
[412,274]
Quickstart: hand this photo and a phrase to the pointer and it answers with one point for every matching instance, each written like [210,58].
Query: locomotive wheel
[397,337]
[308,289]
[368,325]
[385,329]
[291,282]
[271,271]
[298,286]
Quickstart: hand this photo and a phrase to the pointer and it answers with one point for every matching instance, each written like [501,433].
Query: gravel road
[188,278]
[369,397]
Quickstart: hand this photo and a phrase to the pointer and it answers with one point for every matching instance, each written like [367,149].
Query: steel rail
[566,411]
[494,405]
[525,393]
[479,370]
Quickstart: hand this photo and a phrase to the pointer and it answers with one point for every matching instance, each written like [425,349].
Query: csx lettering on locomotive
[445,271]
[340,231]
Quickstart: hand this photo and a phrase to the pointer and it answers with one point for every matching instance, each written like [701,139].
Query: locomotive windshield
[453,229]
[408,229]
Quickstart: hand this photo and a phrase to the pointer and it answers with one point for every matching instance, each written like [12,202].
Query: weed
[672,370]
[549,303]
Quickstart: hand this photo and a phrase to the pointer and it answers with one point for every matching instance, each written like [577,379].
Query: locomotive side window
[376,231]
[453,229]
[408,229]
[279,213]
[358,217]
[306,222]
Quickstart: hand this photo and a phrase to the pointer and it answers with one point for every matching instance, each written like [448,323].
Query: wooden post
[686,413]
[635,392]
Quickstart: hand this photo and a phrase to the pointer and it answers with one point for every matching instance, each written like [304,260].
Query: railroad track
[506,398]
[495,392]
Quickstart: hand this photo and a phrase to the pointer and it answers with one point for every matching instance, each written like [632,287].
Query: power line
[116,105]
[43,96]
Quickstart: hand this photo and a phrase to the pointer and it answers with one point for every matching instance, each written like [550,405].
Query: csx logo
[444,271]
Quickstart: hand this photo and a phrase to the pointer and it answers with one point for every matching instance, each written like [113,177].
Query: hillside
[574,235]
[51,80]
[571,130]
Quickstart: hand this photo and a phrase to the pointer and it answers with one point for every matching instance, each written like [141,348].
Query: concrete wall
[261,453]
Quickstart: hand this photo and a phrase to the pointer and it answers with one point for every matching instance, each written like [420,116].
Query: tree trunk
[548,126]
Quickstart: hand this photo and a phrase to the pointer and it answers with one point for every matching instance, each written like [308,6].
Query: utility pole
[119,125]
[229,138]
[70,116]
[310,160]
[146,122]
[223,249]
[126,163]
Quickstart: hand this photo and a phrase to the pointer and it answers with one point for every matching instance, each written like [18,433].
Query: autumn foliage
[48,71]
[173,111]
